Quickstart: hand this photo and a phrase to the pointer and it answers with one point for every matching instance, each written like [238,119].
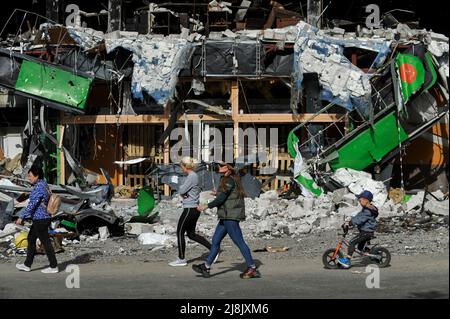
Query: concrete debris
[11,229]
[138,228]
[414,202]
[87,38]
[437,208]
[154,239]
[440,195]
[219,6]
[156,64]
[341,81]
[103,232]
[157,59]
[265,226]
[357,181]
[229,34]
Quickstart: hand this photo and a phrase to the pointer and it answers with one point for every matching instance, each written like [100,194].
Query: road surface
[422,276]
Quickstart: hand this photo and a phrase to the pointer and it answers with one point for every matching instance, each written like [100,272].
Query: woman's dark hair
[36,171]
[237,181]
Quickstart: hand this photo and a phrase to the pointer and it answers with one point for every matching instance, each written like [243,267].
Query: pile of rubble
[270,217]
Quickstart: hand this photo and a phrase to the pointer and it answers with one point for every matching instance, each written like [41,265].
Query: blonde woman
[190,193]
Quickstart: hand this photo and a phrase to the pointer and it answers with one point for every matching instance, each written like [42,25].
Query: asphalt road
[423,276]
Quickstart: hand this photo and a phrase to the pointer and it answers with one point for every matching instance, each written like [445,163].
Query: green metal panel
[53,84]
[146,201]
[371,145]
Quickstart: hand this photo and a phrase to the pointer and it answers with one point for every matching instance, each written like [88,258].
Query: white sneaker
[178,263]
[217,257]
[50,270]
[22,267]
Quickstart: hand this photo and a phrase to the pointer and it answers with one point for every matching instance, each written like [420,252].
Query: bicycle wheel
[384,256]
[328,260]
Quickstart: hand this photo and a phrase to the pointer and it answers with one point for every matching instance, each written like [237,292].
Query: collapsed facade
[373,100]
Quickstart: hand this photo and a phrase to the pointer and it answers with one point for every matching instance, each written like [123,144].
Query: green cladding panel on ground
[53,84]
[371,145]
[146,201]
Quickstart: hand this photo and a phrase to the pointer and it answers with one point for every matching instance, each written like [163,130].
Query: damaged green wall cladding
[371,145]
[53,84]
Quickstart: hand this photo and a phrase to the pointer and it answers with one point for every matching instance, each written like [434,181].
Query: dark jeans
[359,240]
[232,228]
[39,229]
[186,224]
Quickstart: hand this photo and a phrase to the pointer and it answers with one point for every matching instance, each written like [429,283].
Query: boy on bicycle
[366,222]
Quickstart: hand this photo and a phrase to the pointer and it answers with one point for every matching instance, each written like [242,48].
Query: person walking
[190,193]
[231,211]
[37,210]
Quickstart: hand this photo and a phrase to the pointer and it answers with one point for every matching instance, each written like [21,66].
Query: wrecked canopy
[157,60]
[341,82]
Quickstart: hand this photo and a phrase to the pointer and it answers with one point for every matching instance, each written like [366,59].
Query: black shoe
[201,269]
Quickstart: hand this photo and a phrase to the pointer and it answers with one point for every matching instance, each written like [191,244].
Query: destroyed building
[93,92]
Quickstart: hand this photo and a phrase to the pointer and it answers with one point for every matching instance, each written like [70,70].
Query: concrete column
[314,9]
[114,15]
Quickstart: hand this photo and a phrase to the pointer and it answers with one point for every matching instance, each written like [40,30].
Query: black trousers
[39,229]
[186,225]
[359,240]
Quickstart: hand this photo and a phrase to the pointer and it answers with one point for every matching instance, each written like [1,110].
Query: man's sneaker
[250,273]
[22,267]
[178,263]
[201,269]
[50,270]
[344,262]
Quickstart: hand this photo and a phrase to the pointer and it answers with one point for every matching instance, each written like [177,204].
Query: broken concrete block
[331,222]
[153,239]
[103,232]
[357,181]
[303,228]
[270,195]
[415,201]
[338,194]
[348,212]
[437,208]
[229,34]
[10,229]
[297,212]
[164,229]
[390,209]
[138,228]
[307,203]
[439,194]
[265,226]
[350,199]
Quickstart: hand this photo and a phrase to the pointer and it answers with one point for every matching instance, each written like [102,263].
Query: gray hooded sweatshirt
[190,191]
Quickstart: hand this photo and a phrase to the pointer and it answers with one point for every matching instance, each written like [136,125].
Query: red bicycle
[377,255]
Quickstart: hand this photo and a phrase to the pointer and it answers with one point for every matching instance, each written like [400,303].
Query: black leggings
[186,224]
[39,229]
[359,240]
